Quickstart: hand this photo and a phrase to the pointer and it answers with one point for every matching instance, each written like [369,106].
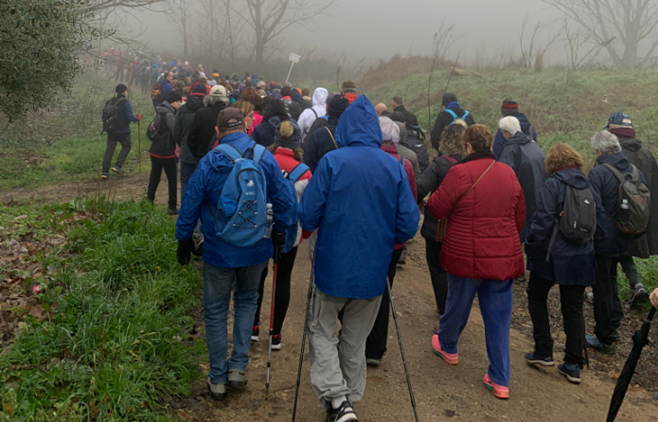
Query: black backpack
[110,115]
[155,131]
[577,220]
[157,93]
[634,202]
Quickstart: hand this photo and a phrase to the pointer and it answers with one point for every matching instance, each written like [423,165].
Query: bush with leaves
[39,45]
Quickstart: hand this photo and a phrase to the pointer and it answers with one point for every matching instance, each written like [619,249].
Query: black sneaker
[572,372]
[533,359]
[118,171]
[254,334]
[638,294]
[276,342]
[172,211]
[344,413]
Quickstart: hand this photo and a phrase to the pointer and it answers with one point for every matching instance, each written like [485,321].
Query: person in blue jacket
[228,267]
[570,265]
[511,108]
[121,135]
[608,311]
[360,201]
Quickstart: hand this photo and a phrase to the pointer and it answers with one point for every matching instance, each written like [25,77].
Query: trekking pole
[269,345]
[139,144]
[311,288]
[404,360]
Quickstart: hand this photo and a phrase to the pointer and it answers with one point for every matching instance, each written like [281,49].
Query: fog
[381,28]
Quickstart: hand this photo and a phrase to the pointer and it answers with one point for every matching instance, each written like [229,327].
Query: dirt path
[442,392]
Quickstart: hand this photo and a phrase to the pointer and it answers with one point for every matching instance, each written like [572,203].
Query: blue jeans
[186,171]
[496,307]
[217,283]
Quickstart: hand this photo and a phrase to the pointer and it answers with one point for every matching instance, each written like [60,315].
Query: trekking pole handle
[652,313]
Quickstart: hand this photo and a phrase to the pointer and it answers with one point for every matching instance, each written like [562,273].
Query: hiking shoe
[403,258]
[105,176]
[450,358]
[572,372]
[373,362]
[589,298]
[521,279]
[345,413]
[172,211]
[498,390]
[533,359]
[638,294]
[276,342]
[594,343]
[217,391]
[254,334]
[198,247]
[118,171]
[237,378]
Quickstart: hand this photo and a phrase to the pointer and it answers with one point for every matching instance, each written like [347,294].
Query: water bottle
[624,212]
[270,221]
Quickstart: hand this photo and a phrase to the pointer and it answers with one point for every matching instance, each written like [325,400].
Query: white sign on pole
[294,57]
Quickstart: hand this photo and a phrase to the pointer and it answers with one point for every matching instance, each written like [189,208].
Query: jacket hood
[296,96]
[523,120]
[219,161]
[194,103]
[618,160]
[630,144]
[519,138]
[359,125]
[572,177]
[165,108]
[320,97]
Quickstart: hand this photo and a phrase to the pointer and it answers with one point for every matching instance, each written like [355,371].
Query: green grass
[116,340]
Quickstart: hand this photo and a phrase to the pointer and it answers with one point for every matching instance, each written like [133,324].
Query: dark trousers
[376,341]
[282,294]
[607,306]
[571,300]
[169,167]
[628,265]
[112,140]
[438,275]
[186,171]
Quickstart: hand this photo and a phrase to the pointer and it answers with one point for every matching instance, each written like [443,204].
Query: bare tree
[180,12]
[532,53]
[270,18]
[575,43]
[95,6]
[619,26]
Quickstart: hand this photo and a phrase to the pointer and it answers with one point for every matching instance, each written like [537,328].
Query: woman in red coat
[481,253]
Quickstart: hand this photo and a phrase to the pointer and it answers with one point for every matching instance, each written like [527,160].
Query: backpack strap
[402,161]
[464,116]
[298,172]
[449,158]
[452,113]
[230,151]
[316,114]
[620,177]
[259,152]
[332,137]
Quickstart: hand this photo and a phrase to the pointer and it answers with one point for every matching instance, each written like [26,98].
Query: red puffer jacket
[482,240]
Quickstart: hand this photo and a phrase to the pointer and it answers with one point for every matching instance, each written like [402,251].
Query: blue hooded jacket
[202,195]
[499,142]
[360,200]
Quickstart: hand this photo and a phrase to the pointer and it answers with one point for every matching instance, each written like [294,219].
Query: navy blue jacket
[499,142]
[614,243]
[569,264]
[125,116]
[320,143]
[203,191]
[264,133]
[359,198]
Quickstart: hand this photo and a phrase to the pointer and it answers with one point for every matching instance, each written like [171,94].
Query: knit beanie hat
[348,85]
[509,107]
[337,106]
[173,97]
[199,90]
[288,135]
[121,88]
[448,98]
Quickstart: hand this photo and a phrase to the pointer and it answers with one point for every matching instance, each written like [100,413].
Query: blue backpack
[242,217]
[292,230]
[454,115]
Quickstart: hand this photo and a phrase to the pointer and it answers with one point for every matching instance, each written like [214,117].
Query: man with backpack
[243,201]
[620,124]
[397,104]
[117,116]
[163,150]
[619,184]
[451,113]
[511,108]
[323,139]
[161,90]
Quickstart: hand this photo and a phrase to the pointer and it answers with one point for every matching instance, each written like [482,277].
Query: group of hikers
[263,168]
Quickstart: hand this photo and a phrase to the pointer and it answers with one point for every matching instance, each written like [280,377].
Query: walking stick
[404,360]
[277,253]
[139,144]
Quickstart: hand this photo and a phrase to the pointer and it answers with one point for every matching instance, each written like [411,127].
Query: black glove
[279,241]
[184,253]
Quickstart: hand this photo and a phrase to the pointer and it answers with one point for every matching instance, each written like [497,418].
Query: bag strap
[402,161]
[332,137]
[452,113]
[230,151]
[473,185]
[449,158]
[464,116]
[316,114]
[259,152]
[620,177]
[298,172]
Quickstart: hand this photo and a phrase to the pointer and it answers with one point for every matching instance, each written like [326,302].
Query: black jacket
[165,147]
[263,134]
[409,118]
[322,141]
[444,119]
[317,124]
[642,158]
[569,263]
[203,129]
[182,125]
[527,160]
[428,183]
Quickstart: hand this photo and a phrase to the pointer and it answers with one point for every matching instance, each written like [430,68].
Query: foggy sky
[382,28]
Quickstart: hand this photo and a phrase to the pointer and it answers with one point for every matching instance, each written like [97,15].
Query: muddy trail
[442,392]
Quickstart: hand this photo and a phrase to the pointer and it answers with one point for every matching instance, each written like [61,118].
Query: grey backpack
[634,202]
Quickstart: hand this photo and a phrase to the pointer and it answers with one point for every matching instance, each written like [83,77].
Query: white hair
[510,124]
[606,142]
[390,130]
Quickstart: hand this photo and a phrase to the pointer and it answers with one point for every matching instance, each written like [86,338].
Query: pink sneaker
[498,390]
[450,358]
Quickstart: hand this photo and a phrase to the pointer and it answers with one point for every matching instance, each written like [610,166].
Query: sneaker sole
[539,362]
[445,359]
[118,172]
[571,379]
[254,339]
[493,390]
[237,384]
[215,396]
[276,346]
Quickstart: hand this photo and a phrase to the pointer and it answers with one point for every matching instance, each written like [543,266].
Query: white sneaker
[217,391]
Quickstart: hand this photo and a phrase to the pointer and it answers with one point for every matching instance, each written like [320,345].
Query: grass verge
[115,338]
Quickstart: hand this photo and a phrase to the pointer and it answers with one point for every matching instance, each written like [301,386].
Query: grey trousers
[112,140]
[338,365]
